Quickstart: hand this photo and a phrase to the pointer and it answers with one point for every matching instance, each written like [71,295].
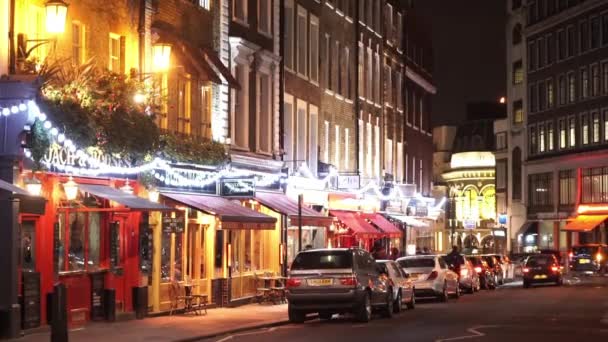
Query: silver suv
[340,280]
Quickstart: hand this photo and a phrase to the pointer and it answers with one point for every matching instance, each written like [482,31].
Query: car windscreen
[417,262]
[475,261]
[536,261]
[382,267]
[318,260]
[584,250]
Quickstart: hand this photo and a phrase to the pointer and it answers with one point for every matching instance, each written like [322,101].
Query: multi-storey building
[566,79]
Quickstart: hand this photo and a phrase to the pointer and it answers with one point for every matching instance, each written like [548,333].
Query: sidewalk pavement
[178,327]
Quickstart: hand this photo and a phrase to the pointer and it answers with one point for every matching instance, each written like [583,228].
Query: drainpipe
[141,29]
[12,62]
[281,80]
[356,82]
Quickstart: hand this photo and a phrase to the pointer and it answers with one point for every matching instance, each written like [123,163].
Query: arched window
[516,172]
[516,34]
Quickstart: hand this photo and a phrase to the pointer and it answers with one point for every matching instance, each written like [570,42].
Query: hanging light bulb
[127,188]
[153,195]
[6,111]
[71,189]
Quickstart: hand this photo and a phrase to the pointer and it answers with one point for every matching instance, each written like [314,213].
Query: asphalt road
[577,312]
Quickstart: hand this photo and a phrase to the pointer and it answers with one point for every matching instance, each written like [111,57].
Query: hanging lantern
[71,189]
[153,195]
[127,188]
[33,186]
[161,57]
[56,13]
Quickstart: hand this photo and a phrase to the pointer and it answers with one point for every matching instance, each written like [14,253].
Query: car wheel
[443,297]
[398,303]
[412,303]
[388,310]
[364,313]
[325,316]
[295,316]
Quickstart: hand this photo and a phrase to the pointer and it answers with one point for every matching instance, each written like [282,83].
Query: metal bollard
[59,322]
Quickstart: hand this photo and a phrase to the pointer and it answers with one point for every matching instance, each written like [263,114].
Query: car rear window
[323,260]
[417,262]
[475,261]
[539,261]
[584,250]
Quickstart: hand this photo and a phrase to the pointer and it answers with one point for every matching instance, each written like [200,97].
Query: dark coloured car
[487,280]
[340,280]
[542,268]
[591,258]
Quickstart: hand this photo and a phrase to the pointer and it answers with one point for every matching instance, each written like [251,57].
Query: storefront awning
[410,221]
[28,204]
[230,214]
[130,201]
[384,224]
[282,204]
[585,223]
[356,222]
[4,185]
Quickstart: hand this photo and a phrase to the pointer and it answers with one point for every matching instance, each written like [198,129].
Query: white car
[431,276]
[403,287]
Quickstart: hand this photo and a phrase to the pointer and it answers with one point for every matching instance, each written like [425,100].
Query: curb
[241,330]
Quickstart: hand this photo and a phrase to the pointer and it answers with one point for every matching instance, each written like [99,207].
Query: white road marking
[474,333]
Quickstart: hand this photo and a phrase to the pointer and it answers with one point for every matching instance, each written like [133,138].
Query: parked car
[340,280]
[403,287]
[591,258]
[468,279]
[484,271]
[506,266]
[495,267]
[431,276]
[556,253]
[542,268]
[518,260]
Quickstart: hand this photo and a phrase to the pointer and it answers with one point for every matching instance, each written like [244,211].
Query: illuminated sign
[502,219]
[472,159]
[469,224]
[64,156]
[348,182]
[592,208]
[237,187]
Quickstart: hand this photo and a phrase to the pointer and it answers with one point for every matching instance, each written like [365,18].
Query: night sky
[469,49]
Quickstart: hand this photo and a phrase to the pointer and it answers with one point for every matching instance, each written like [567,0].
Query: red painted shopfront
[90,243]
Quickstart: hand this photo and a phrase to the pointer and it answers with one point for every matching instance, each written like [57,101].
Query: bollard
[59,322]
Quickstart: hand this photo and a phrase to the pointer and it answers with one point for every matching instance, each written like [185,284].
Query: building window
[117,53]
[370,149]
[77,230]
[567,188]
[184,101]
[605,77]
[388,156]
[533,140]
[361,142]
[301,132]
[550,137]
[337,146]
[585,129]
[345,76]
[541,138]
[518,112]
[361,71]
[562,90]
[540,192]
[327,63]
[542,96]
[518,72]
[594,187]
[572,133]
[78,43]
[562,134]
[205,119]
[533,91]
[388,85]
[571,41]
[561,44]
[289,30]
[516,172]
[532,55]
[377,148]
[313,137]
[264,16]
[605,118]
[399,88]
[595,32]
[516,38]
[501,174]
[540,45]
[264,130]
[302,42]
[571,87]
[595,117]
[550,93]
[314,49]
[239,10]
[501,141]
[289,125]
[595,80]
[376,78]
[550,39]
[399,162]
[370,76]
[326,141]
[584,83]
[346,149]
[337,67]
[583,36]
[241,107]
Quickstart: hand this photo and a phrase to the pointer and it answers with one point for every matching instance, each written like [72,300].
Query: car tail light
[478,269]
[350,281]
[433,275]
[554,268]
[599,257]
[526,270]
[293,282]
[570,255]
[464,272]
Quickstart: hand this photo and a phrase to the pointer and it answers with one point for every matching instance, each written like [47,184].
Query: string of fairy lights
[186,175]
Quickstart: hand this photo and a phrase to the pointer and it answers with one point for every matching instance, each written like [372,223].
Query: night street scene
[303,170]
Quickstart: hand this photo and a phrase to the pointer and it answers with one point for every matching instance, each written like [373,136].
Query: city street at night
[544,313]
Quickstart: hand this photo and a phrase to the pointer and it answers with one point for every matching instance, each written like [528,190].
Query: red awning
[356,222]
[284,205]
[230,214]
[385,225]
[585,223]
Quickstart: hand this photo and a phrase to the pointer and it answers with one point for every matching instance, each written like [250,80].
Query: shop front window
[247,251]
[28,245]
[76,260]
[77,241]
[595,185]
[165,257]
[312,237]
[94,240]
[171,256]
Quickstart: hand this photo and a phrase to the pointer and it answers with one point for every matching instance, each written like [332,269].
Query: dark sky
[469,49]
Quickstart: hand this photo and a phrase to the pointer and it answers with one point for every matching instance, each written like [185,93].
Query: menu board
[114,246]
[31,300]
[174,224]
[97,296]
